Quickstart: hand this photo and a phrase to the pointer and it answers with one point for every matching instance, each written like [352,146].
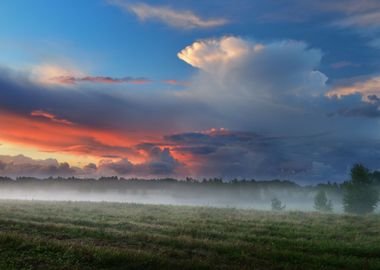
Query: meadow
[100,235]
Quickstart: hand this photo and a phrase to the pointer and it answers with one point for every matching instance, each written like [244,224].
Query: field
[83,235]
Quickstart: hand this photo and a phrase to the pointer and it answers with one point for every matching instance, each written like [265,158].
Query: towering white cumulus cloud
[239,77]
[211,53]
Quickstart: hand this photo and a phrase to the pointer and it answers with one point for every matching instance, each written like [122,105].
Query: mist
[211,193]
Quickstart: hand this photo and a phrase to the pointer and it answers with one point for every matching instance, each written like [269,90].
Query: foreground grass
[80,235]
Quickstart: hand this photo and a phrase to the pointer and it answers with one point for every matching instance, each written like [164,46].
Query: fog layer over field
[255,195]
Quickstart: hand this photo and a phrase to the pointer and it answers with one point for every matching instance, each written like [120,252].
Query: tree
[277,205]
[360,195]
[321,203]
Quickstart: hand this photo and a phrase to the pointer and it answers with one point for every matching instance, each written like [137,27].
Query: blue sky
[250,88]
[116,42]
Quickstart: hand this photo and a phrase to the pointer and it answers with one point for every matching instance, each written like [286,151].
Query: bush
[321,203]
[360,195]
[277,205]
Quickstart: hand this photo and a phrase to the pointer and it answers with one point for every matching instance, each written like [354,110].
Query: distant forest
[213,191]
[121,182]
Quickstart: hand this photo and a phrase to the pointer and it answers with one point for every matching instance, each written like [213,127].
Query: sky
[231,89]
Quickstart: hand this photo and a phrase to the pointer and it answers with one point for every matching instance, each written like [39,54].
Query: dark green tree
[321,203]
[277,205]
[360,195]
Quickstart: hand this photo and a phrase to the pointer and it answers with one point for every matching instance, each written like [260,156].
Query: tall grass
[83,235]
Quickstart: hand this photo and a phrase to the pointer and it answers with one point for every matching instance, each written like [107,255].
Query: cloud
[360,16]
[98,79]
[50,74]
[343,64]
[270,94]
[238,77]
[20,165]
[57,135]
[367,87]
[95,108]
[347,7]
[277,81]
[159,162]
[274,88]
[229,154]
[301,11]
[369,21]
[45,73]
[287,65]
[177,83]
[221,153]
[182,19]
[50,116]
[206,54]
[70,75]
[365,110]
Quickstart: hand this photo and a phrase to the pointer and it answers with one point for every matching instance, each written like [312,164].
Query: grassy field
[80,235]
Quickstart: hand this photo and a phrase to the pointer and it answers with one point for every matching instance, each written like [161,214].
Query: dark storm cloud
[160,162]
[229,154]
[245,155]
[356,104]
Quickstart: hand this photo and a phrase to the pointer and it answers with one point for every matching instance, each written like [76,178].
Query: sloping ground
[68,235]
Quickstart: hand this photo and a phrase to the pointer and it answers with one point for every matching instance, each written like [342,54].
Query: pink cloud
[177,83]
[50,116]
[98,79]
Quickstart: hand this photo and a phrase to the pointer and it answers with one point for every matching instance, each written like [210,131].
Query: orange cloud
[48,133]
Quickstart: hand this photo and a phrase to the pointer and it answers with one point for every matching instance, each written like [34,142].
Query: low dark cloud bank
[159,163]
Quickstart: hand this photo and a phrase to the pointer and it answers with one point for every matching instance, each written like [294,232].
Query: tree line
[360,194]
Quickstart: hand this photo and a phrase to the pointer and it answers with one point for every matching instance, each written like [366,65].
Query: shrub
[321,203]
[277,205]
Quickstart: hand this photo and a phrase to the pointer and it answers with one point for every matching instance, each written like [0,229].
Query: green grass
[83,235]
